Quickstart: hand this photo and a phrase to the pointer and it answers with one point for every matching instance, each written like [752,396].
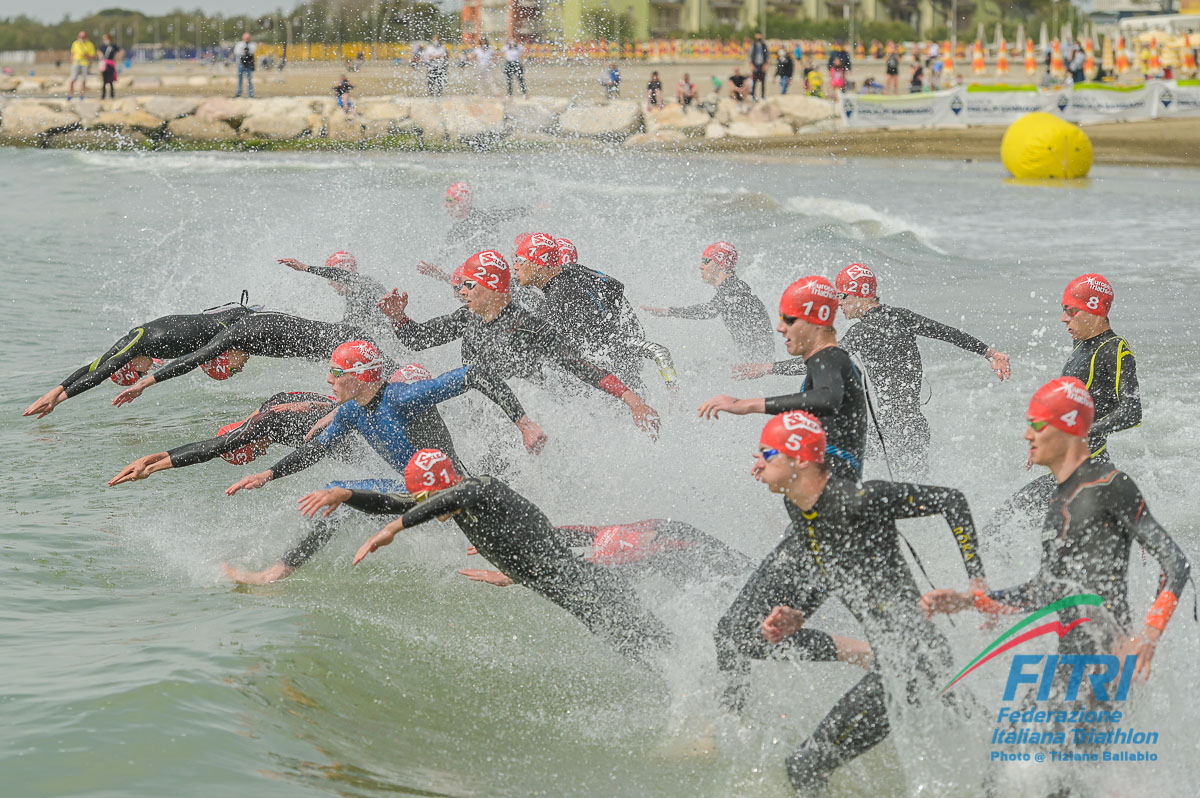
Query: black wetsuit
[514,535]
[271,424]
[744,315]
[833,392]
[591,308]
[1106,365]
[166,337]
[886,340]
[270,334]
[516,343]
[848,547]
[362,294]
[679,551]
[480,228]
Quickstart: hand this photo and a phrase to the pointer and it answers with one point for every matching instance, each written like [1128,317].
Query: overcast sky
[53,10]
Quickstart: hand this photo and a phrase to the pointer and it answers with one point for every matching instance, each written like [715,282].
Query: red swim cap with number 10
[811,298]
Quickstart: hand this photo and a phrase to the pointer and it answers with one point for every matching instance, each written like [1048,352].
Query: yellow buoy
[1040,145]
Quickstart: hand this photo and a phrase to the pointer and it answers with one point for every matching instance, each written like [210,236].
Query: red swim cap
[342,260]
[1090,293]
[567,253]
[408,374]
[459,192]
[615,545]
[520,239]
[242,454]
[812,299]
[360,358]
[128,375]
[856,280]
[488,268]
[540,249]
[797,434]
[1064,404]
[723,253]
[218,367]
[429,470]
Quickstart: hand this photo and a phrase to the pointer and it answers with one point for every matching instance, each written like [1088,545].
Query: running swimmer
[1096,515]
[360,292]
[844,545]
[743,313]
[510,341]
[133,355]
[267,334]
[886,340]
[517,537]
[590,308]
[389,416]
[832,390]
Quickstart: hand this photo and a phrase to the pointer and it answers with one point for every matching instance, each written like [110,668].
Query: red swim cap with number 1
[811,298]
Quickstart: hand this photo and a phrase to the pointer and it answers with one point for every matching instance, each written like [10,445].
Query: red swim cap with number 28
[811,298]
[856,280]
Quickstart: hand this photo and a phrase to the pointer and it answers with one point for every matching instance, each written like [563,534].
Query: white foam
[867,221]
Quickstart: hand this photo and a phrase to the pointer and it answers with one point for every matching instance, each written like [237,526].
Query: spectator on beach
[243,56]
[814,83]
[839,65]
[437,62]
[108,66]
[785,68]
[916,83]
[1076,64]
[933,54]
[611,81]
[685,91]
[737,85]
[83,53]
[485,62]
[513,68]
[654,93]
[342,90]
[758,66]
[891,68]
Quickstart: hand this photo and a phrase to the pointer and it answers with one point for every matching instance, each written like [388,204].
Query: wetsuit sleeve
[796,367]
[905,500]
[227,339]
[197,452]
[658,353]
[825,395]
[442,503]
[928,328]
[578,535]
[705,310]
[418,335]
[1129,398]
[369,501]
[1176,568]
[553,347]
[495,389]
[312,451]
[358,281]
[89,376]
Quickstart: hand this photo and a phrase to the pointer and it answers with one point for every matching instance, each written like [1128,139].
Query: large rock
[122,121]
[615,120]
[533,116]
[98,139]
[673,117]
[145,82]
[277,127]
[344,127]
[388,110]
[741,129]
[662,137]
[715,130]
[192,128]
[29,86]
[199,80]
[164,107]
[225,109]
[458,119]
[28,119]
[174,80]
[800,109]
[426,117]
[9,83]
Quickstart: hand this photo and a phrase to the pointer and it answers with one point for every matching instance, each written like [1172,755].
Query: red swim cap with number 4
[540,249]
[429,470]
[218,368]
[811,298]
[567,253]
[242,454]
[1064,404]
[724,253]
[1090,293]
[342,260]
[797,434]
[856,280]
[360,358]
[487,268]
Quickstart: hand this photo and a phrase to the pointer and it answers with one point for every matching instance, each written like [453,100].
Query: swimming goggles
[768,454]
[337,371]
[1038,426]
[788,320]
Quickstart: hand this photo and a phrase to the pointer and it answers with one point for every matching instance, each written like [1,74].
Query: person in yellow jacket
[83,53]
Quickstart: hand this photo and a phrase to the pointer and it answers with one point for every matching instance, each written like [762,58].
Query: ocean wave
[862,219]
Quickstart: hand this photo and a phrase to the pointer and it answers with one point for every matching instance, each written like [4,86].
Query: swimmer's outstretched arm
[264,577]
[142,468]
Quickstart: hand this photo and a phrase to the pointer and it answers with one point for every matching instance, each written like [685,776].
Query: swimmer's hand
[1143,646]
[142,468]
[728,404]
[380,539]
[292,263]
[46,404]
[653,311]
[433,270]
[133,391]
[531,435]
[482,575]
[645,416]
[751,371]
[782,621]
[251,482]
[946,602]
[393,305]
[999,362]
[264,577]
[329,498]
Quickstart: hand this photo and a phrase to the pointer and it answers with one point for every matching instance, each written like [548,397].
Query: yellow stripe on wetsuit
[140,332]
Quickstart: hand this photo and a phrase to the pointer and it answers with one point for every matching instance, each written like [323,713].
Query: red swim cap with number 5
[811,298]
[797,434]
[429,470]
[1090,293]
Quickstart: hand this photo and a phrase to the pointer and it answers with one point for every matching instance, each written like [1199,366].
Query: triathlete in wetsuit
[473,230]
[360,292]
[1096,515]
[1104,363]
[844,545]
[743,313]
[389,417]
[511,342]
[133,354]
[886,340]
[832,390]
[591,309]
[518,538]
[265,333]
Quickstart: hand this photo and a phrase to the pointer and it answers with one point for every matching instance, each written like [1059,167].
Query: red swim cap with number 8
[1090,293]
[429,470]
[811,298]
[797,434]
